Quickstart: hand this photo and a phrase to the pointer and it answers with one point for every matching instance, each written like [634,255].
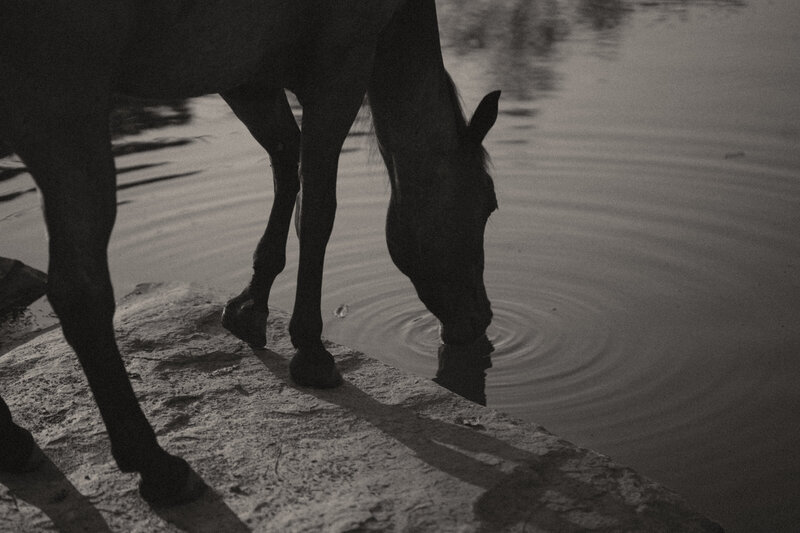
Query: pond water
[644,266]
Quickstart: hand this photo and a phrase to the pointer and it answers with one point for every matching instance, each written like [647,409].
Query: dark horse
[61,60]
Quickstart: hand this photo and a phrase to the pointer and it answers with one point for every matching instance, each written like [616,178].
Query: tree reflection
[603,15]
[518,40]
[129,116]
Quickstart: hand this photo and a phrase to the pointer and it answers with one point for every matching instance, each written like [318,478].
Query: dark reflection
[135,147]
[524,60]
[531,25]
[11,196]
[131,116]
[519,39]
[462,369]
[136,168]
[157,179]
[603,15]
[6,173]
[606,18]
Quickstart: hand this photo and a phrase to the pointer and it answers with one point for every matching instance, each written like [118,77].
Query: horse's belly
[209,46]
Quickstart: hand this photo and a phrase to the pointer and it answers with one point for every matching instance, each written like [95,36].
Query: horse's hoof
[174,485]
[22,455]
[246,323]
[315,369]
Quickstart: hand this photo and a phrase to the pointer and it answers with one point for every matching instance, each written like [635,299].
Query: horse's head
[440,205]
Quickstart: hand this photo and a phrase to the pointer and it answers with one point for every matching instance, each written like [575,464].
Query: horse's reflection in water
[462,369]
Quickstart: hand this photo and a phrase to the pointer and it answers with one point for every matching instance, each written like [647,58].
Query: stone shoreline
[384,452]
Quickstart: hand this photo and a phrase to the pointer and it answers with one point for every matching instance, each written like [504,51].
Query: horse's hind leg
[66,145]
[266,113]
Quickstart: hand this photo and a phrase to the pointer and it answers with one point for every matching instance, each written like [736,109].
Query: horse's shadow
[208,514]
[516,481]
[49,490]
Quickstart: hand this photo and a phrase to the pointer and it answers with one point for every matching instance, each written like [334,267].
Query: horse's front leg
[328,112]
[266,113]
[67,148]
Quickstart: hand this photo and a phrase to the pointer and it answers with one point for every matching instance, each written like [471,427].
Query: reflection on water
[603,15]
[462,369]
[523,36]
[129,116]
[520,36]
[132,116]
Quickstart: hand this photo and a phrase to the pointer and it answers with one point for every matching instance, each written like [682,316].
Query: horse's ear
[484,117]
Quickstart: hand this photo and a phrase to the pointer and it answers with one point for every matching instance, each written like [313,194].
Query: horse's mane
[461,124]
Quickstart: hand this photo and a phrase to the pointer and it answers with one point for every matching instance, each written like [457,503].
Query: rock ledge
[384,452]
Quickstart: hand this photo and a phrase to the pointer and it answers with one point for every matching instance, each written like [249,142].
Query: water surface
[644,263]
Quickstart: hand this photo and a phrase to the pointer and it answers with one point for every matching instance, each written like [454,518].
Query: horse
[61,61]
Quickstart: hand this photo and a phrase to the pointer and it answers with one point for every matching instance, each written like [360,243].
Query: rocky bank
[384,452]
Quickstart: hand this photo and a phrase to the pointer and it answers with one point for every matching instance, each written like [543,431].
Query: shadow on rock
[554,490]
[49,490]
[208,514]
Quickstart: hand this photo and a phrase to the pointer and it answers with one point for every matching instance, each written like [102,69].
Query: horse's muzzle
[471,324]
[464,332]
[462,307]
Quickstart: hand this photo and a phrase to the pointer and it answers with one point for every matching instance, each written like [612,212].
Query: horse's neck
[412,100]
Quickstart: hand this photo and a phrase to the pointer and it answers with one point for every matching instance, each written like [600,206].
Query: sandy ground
[384,452]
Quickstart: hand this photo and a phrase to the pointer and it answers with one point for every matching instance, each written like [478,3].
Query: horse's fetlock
[266,269]
[246,318]
[135,448]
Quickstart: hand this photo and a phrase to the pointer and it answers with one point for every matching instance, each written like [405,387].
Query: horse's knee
[287,179]
[83,302]
[79,290]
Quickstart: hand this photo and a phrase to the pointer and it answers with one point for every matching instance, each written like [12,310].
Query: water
[644,264]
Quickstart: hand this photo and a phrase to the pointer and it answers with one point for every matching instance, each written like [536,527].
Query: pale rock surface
[384,452]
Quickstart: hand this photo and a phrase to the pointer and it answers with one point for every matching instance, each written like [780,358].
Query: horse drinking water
[61,60]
